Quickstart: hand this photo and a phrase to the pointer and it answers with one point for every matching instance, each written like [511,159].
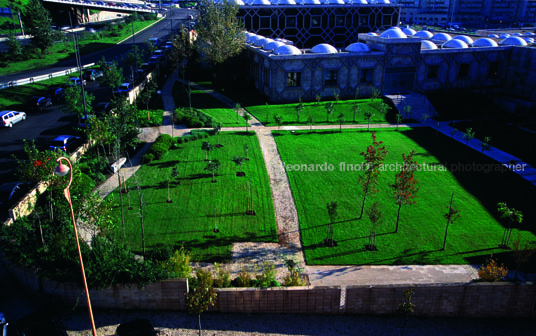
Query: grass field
[227,117]
[472,238]
[189,219]
[266,113]
[16,97]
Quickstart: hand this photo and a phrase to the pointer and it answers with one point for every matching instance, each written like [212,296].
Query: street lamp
[62,170]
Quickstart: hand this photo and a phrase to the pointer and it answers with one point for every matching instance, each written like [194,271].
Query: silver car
[8,118]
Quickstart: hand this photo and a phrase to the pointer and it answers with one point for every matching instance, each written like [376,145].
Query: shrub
[491,271]
[148,157]
[267,277]
[180,140]
[158,150]
[223,277]
[179,264]
[243,279]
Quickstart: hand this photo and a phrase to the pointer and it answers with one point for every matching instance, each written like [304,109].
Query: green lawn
[16,97]
[472,238]
[227,117]
[189,219]
[266,113]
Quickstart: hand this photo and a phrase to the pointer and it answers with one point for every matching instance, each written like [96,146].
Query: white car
[8,118]
[75,81]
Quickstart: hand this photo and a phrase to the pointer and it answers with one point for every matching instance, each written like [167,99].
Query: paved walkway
[248,254]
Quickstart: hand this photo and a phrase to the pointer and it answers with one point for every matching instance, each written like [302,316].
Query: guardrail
[31,80]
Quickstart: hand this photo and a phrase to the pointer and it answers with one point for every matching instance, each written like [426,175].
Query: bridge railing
[34,79]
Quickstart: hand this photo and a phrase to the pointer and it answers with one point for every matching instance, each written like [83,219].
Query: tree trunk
[364,198]
[121,204]
[368,124]
[398,217]
[199,322]
[448,222]
[141,223]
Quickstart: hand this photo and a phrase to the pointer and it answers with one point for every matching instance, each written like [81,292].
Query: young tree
[217,130]
[310,120]
[340,118]
[368,114]
[147,93]
[485,144]
[150,48]
[239,161]
[405,187]
[182,50]
[318,98]
[407,307]
[237,109]
[356,108]
[374,156]
[112,76]
[134,60]
[376,218]
[39,25]
[213,166]
[336,95]
[512,215]
[425,117]
[140,197]
[407,110]
[74,102]
[207,147]
[333,214]
[278,120]
[202,295]
[299,110]
[468,135]
[14,48]
[399,119]
[173,176]
[451,216]
[247,118]
[330,107]
[246,151]
[521,253]
[383,108]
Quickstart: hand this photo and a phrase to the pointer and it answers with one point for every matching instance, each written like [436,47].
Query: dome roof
[273,45]
[529,40]
[513,41]
[393,32]
[484,42]
[503,36]
[260,3]
[311,2]
[454,44]
[493,35]
[516,34]
[441,37]
[358,47]
[287,2]
[371,34]
[237,2]
[323,48]
[382,2]
[259,42]
[253,38]
[409,31]
[424,34]
[428,45]
[359,2]
[334,2]
[287,50]
[299,1]
[529,34]
[265,42]
[464,38]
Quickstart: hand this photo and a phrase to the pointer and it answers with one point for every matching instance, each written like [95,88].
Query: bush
[159,148]
[148,157]
[180,140]
[491,271]
[179,264]
[223,277]
[267,277]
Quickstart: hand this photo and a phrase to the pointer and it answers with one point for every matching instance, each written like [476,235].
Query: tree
[318,98]
[485,144]
[133,59]
[356,108]
[14,48]
[246,151]
[425,117]
[183,49]
[374,156]
[74,102]
[101,133]
[468,135]
[310,120]
[247,118]
[399,119]
[512,215]
[237,109]
[278,120]
[147,93]
[451,216]
[173,176]
[207,147]
[220,33]
[39,25]
[329,109]
[213,166]
[150,48]
[383,108]
[340,118]
[239,161]
[521,253]
[299,110]
[217,130]
[202,294]
[407,307]
[376,218]
[368,114]
[407,110]
[332,213]
[405,187]
[112,78]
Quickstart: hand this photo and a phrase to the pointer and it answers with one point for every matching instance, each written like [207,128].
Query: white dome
[382,2]
[372,34]
[237,2]
[358,47]
[359,2]
[484,42]
[529,40]
[311,2]
[287,2]
[493,36]
[259,42]
[260,3]
[393,32]
[441,37]
[287,50]
[529,34]
[464,38]
[265,42]
[513,41]
[454,43]
[409,31]
[503,36]
[273,45]
[428,45]
[323,48]
[334,2]
[253,38]
[424,34]
[516,34]
[282,40]
[299,2]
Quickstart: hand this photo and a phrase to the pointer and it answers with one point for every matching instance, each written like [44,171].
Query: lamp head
[61,170]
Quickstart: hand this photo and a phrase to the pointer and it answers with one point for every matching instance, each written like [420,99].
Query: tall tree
[133,60]
[202,295]
[112,76]
[237,109]
[207,147]
[39,25]
[376,218]
[512,215]
[329,109]
[74,102]
[374,156]
[183,49]
[368,114]
[213,166]
[14,48]
[405,187]
[451,216]
[217,130]
[333,214]
[247,118]
[278,120]
[220,32]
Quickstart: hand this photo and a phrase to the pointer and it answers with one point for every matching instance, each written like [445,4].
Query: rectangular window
[293,79]
[493,70]
[340,21]
[366,76]
[291,22]
[463,70]
[433,72]
[315,21]
[330,77]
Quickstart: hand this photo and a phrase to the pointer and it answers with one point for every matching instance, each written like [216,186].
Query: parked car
[56,93]
[39,323]
[124,88]
[153,60]
[189,17]
[75,81]
[9,118]
[138,327]
[64,143]
[155,41]
[102,108]
[82,123]
[158,53]
[92,74]
[10,192]
[39,103]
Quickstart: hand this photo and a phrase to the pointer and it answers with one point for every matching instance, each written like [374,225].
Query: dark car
[139,327]
[39,103]
[56,93]
[10,192]
[64,143]
[102,108]
[39,323]
[92,74]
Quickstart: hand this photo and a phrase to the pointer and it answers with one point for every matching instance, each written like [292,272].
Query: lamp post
[62,170]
